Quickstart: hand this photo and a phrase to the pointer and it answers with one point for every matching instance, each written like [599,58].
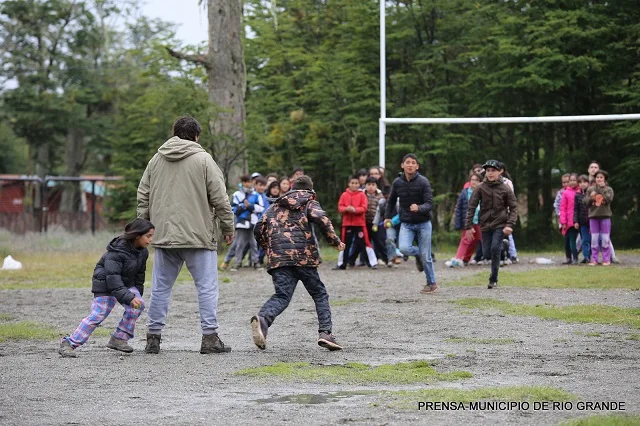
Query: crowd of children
[583,209]
[380,224]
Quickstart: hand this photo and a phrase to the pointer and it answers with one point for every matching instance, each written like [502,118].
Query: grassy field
[600,314]
[565,277]
[356,373]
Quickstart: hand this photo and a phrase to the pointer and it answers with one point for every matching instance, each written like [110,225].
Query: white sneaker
[508,262]
[473,262]
[381,262]
[448,264]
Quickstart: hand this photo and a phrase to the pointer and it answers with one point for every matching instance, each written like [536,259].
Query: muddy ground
[393,324]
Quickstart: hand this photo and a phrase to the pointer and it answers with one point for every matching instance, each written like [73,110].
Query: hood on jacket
[295,200]
[121,245]
[176,149]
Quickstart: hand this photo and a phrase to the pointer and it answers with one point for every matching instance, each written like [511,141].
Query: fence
[35,204]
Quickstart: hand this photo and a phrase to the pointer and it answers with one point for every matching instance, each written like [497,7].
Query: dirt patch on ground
[384,320]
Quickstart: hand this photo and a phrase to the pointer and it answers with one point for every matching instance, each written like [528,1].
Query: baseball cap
[255,175]
[492,163]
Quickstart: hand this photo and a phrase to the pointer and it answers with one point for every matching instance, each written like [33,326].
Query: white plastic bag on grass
[11,263]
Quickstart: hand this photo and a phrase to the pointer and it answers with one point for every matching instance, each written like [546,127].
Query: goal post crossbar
[481,120]
[384,121]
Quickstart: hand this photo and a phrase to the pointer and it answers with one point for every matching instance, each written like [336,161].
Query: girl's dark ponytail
[136,228]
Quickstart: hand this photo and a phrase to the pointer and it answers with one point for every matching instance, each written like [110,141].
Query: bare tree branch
[197,59]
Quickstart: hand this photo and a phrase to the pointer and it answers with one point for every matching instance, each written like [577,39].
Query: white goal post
[458,120]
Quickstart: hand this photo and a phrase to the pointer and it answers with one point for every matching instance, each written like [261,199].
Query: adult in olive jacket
[183,192]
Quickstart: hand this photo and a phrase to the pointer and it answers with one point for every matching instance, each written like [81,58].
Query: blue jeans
[585,234]
[390,242]
[421,232]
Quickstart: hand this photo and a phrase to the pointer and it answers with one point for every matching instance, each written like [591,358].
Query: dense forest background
[90,87]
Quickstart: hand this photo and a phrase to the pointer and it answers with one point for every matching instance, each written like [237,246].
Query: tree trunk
[226,85]
[74,158]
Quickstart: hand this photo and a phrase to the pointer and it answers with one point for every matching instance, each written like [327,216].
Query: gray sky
[191,18]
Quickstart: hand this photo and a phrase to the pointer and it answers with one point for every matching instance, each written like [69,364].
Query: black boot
[153,344]
[211,344]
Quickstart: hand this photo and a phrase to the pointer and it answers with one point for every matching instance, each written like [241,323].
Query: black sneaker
[211,344]
[327,340]
[259,330]
[568,262]
[585,261]
[492,285]
[419,264]
[153,343]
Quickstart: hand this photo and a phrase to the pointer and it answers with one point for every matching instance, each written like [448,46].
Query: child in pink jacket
[567,204]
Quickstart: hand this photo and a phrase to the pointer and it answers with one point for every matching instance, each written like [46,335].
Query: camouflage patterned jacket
[284,231]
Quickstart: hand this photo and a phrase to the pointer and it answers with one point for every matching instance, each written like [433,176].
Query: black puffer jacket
[416,191]
[121,267]
[580,210]
[285,233]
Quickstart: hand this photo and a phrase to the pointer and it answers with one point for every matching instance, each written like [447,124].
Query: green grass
[349,301]
[102,332]
[408,399]
[6,317]
[599,314]
[355,373]
[565,277]
[61,270]
[480,341]
[633,337]
[605,420]
[25,330]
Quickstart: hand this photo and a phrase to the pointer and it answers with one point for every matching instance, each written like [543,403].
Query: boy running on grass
[498,214]
[285,233]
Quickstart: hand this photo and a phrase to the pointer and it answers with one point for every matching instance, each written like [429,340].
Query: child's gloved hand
[136,303]
[374,228]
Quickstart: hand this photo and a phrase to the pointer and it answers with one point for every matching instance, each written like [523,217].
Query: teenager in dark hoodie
[286,235]
[118,277]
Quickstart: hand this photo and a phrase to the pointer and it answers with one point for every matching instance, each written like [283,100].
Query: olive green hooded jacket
[183,193]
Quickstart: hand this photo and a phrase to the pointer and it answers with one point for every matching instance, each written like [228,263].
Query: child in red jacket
[353,207]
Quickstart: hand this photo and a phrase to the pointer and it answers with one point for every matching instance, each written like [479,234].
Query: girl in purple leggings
[598,199]
[118,277]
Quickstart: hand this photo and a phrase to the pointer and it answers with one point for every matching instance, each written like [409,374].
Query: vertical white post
[383,83]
